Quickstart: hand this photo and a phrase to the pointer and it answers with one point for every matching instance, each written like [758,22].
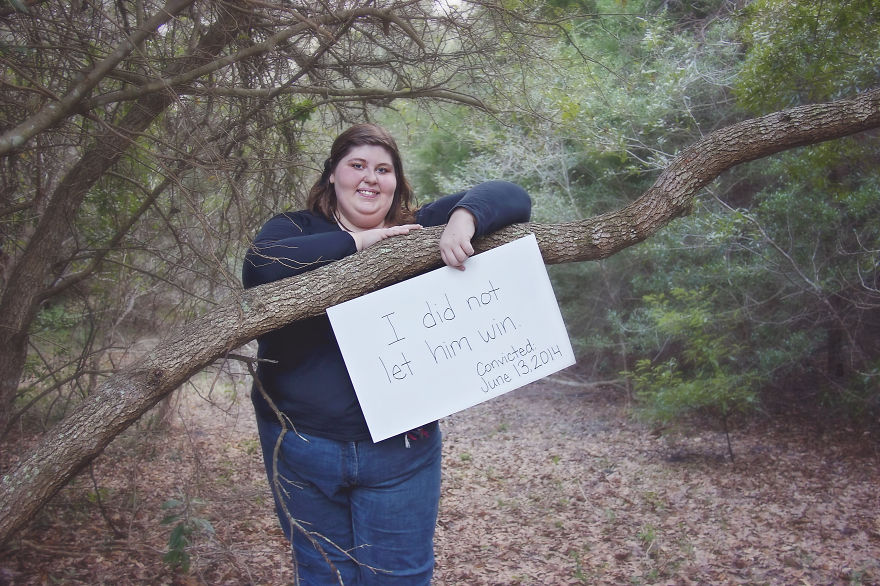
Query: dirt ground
[554,483]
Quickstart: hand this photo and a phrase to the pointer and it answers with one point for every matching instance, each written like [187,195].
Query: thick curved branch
[120,401]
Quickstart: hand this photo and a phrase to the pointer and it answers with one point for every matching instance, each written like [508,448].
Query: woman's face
[364,182]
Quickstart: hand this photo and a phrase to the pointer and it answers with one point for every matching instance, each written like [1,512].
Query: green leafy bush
[711,374]
[184,526]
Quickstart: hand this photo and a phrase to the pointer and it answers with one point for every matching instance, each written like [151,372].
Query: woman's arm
[480,210]
[367,238]
[291,244]
[494,205]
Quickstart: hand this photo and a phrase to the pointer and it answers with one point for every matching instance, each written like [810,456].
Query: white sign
[446,340]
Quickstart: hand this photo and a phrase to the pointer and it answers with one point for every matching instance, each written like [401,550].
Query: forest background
[142,146]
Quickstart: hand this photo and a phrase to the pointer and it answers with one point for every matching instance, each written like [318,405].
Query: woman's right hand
[367,238]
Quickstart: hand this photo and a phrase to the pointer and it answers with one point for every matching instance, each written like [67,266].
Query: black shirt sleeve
[494,204]
[293,243]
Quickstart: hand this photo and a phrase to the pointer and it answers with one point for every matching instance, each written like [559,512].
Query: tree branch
[183,78]
[347,94]
[54,112]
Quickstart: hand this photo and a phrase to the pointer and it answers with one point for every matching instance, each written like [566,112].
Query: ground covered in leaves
[552,484]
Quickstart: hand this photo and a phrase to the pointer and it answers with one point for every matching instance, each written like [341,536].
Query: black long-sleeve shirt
[310,383]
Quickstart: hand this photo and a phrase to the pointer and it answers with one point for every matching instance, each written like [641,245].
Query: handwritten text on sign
[447,340]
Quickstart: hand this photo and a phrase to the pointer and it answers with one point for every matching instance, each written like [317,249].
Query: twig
[287,425]
[251,360]
[117,532]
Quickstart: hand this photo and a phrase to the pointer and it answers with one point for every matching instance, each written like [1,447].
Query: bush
[714,377]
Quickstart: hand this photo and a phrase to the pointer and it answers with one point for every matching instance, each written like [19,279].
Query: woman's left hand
[455,242]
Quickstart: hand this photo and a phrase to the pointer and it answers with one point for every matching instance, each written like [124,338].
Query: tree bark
[81,437]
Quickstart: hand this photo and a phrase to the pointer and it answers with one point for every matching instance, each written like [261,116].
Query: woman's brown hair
[322,195]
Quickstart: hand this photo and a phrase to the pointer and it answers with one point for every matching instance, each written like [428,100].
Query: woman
[364,512]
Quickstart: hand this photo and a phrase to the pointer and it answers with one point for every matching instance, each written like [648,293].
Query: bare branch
[55,111]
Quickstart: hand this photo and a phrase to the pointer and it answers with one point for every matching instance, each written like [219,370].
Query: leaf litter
[554,483]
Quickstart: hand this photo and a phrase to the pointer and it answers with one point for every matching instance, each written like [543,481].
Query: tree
[121,120]
[785,248]
[620,95]
[827,195]
[711,378]
[130,393]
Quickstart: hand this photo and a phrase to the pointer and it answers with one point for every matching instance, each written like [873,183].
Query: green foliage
[790,261]
[434,150]
[857,400]
[56,318]
[605,106]
[712,373]
[185,525]
[745,293]
[807,51]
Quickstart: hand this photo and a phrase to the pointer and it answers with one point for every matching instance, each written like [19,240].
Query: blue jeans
[370,508]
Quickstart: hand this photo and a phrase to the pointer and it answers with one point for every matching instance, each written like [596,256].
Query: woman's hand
[455,242]
[368,238]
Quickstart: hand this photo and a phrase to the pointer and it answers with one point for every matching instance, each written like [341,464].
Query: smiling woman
[354,510]
[365,185]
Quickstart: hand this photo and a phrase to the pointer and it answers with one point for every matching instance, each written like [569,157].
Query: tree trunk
[35,269]
[120,401]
